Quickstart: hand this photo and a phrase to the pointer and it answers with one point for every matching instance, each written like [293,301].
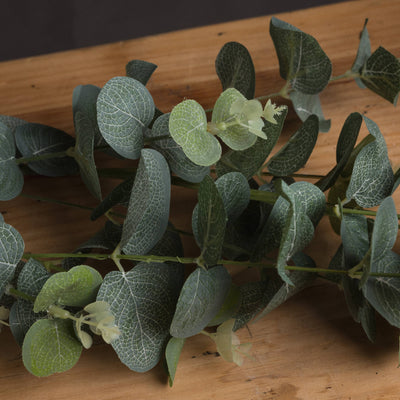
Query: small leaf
[301,59]
[50,346]
[235,69]
[11,177]
[148,209]
[308,104]
[119,195]
[381,74]
[188,127]
[346,142]
[37,139]
[172,354]
[250,161]
[201,298]
[83,153]
[11,251]
[211,222]
[237,137]
[363,53]
[124,108]
[140,70]
[143,302]
[179,163]
[76,288]
[295,153]
[372,178]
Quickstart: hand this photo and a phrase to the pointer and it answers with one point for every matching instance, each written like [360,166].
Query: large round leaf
[124,108]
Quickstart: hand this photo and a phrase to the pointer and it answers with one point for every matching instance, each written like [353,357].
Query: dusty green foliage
[252,211]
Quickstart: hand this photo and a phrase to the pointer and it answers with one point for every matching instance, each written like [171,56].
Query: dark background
[32,27]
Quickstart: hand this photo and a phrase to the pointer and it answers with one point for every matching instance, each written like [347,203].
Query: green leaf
[50,346]
[312,199]
[83,153]
[295,153]
[202,296]
[143,302]
[237,137]
[179,163]
[119,195]
[76,288]
[124,108]
[148,209]
[301,59]
[384,293]
[372,178]
[172,354]
[188,127]
[381,74]
[229,308]
[37,139]
[32,277]
[308,104]
[346,142]
[140,70]
[363,53]
[235,69]
[211,222]
[11,251]
[11,177]
[250,161]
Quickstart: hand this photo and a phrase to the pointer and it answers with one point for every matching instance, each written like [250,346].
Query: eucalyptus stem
[116,256]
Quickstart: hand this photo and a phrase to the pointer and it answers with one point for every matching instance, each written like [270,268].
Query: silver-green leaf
[235,69]
[172,353]
[140,70]
[148,209]
[124,108]
[142,301]
[363,53]
[295,153]
[301,59]
[372,178]
[201,298]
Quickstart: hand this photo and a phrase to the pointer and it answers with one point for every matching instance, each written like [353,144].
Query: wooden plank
[307,349]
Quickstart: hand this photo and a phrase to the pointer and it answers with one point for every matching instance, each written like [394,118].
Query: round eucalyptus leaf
[50,346]
[76,288]
[237,137]
[188,127]
[124,108]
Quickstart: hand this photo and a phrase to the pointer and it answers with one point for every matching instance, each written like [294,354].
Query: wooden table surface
[309,348]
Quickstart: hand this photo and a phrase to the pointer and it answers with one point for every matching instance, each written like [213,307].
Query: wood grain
[307,349]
